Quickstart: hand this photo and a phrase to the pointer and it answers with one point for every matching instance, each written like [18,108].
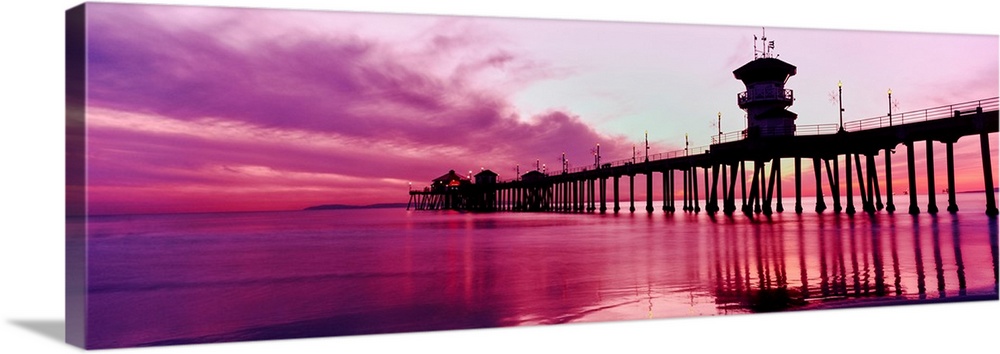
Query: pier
[722,169]
[712,176]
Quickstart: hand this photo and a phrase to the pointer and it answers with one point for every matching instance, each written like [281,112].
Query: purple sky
[210,109]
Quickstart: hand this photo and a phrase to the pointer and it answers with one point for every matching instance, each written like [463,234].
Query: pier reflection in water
[169,279]
[854,261]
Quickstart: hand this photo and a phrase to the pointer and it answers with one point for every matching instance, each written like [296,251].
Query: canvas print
[244,174]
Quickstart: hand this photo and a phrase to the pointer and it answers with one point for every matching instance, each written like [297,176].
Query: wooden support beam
[950,165]
[817,170]
[889,206]
[866,200]
[931,189]
[912,174]
[798,185]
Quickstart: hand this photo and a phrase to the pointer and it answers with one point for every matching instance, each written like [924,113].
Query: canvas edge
[75,218]
[75,96]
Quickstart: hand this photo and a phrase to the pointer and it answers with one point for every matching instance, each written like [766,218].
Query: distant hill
[345,206]
[995,190]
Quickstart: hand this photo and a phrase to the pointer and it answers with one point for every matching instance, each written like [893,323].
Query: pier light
[890,106]
[840,102]
[597,156]
[719,124]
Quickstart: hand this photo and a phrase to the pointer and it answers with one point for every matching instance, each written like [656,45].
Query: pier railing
[940,112]
[697,150]
[921,115]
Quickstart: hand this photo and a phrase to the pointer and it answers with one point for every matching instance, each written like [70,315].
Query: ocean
[196,278]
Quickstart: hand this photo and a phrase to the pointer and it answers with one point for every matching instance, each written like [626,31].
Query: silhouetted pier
[719,171]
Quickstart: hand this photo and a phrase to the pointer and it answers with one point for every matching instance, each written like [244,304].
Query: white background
[31,197]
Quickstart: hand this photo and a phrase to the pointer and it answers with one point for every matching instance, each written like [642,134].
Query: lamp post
[890,107]
[598,156]
[647,146]
[840,102]
[686,144]
[719,125]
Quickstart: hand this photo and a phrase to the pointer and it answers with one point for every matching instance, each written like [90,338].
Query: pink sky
[211,109]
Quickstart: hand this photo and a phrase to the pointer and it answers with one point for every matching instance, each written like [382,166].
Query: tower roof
[486,173]
[532,175]
[450,176]
[764,69]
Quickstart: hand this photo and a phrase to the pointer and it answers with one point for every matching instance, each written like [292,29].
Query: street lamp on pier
[719,125]
[647,146]
[840,102]
[597,156]
[890,107]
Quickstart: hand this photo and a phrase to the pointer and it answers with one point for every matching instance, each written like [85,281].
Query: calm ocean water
[192,278]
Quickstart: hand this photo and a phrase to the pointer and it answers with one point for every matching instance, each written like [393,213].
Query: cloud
[188,105]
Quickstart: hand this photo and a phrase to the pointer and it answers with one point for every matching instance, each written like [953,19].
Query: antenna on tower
[763,40]
[765,52]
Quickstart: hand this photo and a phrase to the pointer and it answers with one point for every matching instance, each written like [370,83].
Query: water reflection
[842,259]
[992,223]
[201,278]
[959,263]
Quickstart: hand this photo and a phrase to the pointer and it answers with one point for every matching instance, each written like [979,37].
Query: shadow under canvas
[53,329]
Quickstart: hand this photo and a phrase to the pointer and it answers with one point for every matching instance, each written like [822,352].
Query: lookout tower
[766,100]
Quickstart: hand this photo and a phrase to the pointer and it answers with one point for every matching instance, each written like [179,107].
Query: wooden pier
[771,135]
[721,169]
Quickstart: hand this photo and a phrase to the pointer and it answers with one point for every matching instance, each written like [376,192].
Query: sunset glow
[209,109]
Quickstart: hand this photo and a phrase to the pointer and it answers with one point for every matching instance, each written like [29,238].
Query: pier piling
[665,190]
[889,206]
[863,191]
[798,185]
[991,202]
[873,181]
[912,174]
[649,191]
[931,190]
[694,188]
[631,193]
[850,185]
[730,206]
[950,166]
[743,190]
[817,170]
[833,176]
[617,207]
[777,165]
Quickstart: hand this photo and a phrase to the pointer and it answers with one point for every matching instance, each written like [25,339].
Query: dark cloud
[415,120]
